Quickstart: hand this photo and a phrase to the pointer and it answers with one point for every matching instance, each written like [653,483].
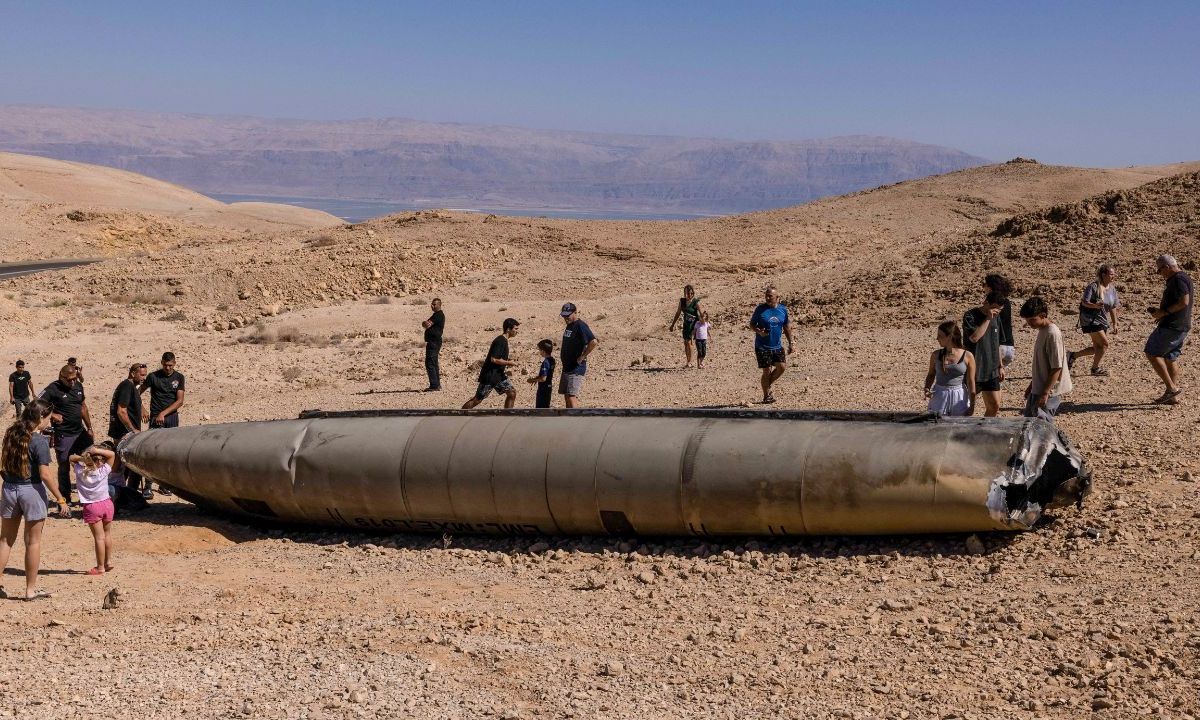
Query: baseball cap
[568,309]
[510,323]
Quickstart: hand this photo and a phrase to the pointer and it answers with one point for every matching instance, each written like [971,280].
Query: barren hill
[52,208]
[457,165]
[1092,614]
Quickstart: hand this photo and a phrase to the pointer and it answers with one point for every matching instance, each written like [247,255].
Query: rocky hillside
[456,165]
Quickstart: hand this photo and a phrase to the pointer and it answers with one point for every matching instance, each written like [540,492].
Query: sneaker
[164,491]
[1070,361]
[147,493]
[1099,371]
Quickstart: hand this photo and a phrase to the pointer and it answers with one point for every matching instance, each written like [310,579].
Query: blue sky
[1082,83]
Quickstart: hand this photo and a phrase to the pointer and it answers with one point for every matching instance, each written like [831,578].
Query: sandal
[95,571]
[109,568]
[768,399]
[38,595]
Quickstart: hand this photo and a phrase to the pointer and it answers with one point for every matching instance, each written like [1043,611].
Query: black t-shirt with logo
[491,373]
[67,401]
[126,395]
[164,390]
[20,382]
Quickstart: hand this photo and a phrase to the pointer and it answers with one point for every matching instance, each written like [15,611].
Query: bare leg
[8,537]
[33,555]
[766,381]
[1173,371]
[98,539]
[1163,370]
[991,403]
[471,403]
[510,399]
[570,401]
[688,346]
[108,543]
[1099,347]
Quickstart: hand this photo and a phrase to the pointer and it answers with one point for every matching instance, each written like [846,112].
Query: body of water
[358,210]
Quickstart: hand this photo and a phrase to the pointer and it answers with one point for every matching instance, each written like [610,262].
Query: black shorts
[767,357]
[689,331]
[992,385]
[500,387]
[1089,329]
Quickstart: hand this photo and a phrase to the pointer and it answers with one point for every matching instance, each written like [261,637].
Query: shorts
[570,384]
[1047,413]
[769,358]
[98,512]
[170,421]
[992,385]
[1089,329]
[1166,343]
[1008,353]
[701,349]
[24,501]
[503,387]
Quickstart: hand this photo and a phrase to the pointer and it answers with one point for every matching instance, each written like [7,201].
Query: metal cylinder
[615,472]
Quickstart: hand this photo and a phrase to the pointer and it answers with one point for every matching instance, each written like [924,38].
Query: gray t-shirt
[1049,354]
[39,455]
[1097,295]
[987,350]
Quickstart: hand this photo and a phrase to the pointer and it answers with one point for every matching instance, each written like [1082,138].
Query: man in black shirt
[71,421]
[166,393]
[492,376]
[20,388]
[433,344]
[125,418]
[1174,317]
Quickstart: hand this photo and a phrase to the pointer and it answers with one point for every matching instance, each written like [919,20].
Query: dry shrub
[321,241]
[291,374]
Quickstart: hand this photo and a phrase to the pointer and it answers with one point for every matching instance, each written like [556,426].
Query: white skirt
[949,401]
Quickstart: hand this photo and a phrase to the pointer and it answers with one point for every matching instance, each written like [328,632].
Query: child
[702,328]
[92,469]
[545,376]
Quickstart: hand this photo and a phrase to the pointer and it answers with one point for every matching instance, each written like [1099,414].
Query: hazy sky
[1082,83]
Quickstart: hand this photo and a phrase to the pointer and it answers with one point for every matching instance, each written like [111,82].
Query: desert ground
[272,312]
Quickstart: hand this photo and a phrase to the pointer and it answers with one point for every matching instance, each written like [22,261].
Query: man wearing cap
[1174,316]
[20,388]
[578,342]
[493,375]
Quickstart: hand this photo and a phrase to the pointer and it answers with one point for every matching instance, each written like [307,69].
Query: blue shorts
[1166,343]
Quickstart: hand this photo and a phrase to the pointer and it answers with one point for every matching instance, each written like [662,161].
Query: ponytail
[16,439]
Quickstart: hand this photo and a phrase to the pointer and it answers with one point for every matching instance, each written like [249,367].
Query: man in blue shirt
[577,343]
[770,324]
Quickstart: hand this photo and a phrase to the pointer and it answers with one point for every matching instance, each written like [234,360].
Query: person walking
[1003,286]
[981,336]
[27,479]
[1051,374]
[950,382]
[72,422]
[1097,318]
[1174,317]
[20,388]
[702,329]
[434,325]
[493,376]
[771,324]
[578,342]
[125,415]
[689,310]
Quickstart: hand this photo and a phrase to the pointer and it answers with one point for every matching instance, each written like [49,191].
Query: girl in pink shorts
[91,479]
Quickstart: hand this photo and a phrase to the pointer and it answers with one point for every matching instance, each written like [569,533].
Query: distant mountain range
[457,165]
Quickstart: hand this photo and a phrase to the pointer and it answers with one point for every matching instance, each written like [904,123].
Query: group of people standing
[60,415]
[971,361]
